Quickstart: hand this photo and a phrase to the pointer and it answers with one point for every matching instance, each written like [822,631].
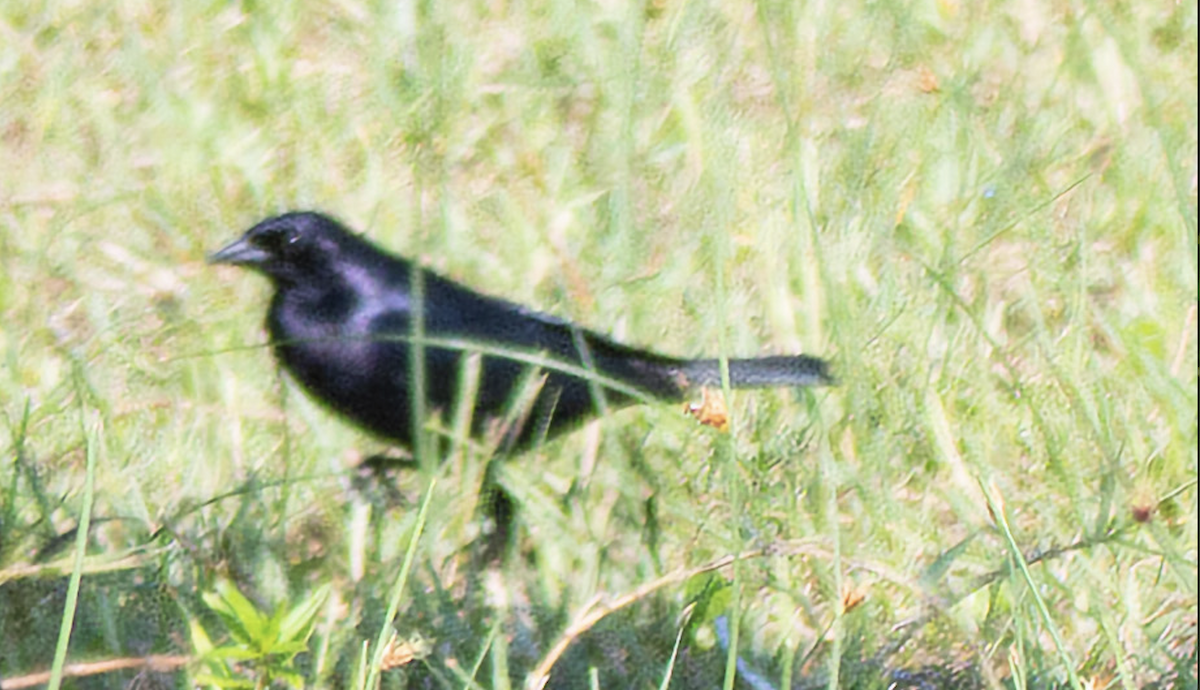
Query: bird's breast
[333,350]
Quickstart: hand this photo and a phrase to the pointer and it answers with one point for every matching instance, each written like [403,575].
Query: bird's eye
[275,239]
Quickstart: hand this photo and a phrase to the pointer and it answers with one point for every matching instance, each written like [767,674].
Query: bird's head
[291,248]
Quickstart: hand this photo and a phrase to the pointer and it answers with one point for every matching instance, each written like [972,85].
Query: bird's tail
[760,372]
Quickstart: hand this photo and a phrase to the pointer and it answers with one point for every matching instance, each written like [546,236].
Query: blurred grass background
[984,213]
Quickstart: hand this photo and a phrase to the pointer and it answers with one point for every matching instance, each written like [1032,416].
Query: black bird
[341,322]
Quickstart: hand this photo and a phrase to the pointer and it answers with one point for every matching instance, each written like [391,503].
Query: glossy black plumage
[341,315]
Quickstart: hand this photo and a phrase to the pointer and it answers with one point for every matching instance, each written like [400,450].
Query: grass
[984,213]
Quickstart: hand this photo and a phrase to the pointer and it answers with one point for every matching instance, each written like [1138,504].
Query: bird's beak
[239,253]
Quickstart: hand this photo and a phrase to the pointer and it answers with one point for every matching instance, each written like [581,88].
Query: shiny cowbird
[341,322]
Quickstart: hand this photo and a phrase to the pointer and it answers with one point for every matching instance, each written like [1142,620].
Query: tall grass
[984,213]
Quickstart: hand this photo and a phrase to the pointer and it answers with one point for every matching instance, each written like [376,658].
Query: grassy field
[983,213]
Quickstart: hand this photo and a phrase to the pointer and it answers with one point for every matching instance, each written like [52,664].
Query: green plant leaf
[298,623]
[244,621]
[234,652]
[710,594]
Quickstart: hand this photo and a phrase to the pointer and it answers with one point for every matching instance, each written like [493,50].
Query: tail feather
[760,372]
